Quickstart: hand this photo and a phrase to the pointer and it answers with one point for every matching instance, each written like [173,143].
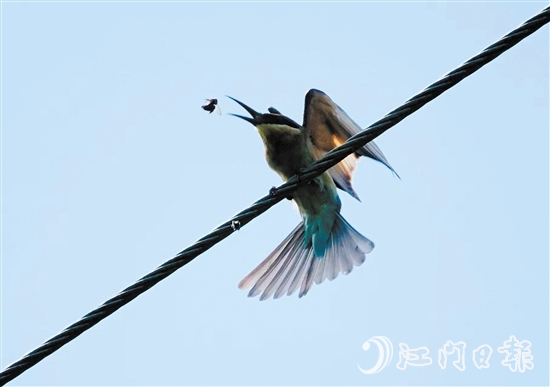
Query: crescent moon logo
[385,353]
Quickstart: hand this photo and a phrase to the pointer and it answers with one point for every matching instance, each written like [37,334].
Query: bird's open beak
[255,115]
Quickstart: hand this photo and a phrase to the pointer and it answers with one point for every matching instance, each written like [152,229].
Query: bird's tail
[293,264]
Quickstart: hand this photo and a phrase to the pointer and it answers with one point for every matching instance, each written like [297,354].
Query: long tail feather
[291,274]
[294,264]
[255,274]
[271,274]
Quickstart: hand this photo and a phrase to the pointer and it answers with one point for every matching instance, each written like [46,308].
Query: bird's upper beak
[264,118]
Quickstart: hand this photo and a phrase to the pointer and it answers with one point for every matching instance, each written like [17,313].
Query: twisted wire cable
[275,196]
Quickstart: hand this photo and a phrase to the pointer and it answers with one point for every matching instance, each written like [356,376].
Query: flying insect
[212,105]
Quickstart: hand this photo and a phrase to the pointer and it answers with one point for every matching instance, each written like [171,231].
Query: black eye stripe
[276,119]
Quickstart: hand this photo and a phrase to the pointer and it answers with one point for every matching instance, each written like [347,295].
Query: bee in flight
[211,105]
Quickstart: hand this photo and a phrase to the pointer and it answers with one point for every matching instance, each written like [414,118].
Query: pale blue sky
[109,167]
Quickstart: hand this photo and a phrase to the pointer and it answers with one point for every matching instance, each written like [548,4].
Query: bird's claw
[273,192]
[315,181]
[300,173]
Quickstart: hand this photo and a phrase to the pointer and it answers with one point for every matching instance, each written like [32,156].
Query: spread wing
[328,126]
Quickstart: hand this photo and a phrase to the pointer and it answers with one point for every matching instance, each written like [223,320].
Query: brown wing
[328,126]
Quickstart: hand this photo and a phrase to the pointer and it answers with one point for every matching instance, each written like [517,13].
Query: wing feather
[327,126]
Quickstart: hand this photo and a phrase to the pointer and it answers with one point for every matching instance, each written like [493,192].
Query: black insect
[211,105]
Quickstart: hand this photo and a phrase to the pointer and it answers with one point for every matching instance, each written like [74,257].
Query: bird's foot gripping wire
[273,192]
[315,181]
[301,171]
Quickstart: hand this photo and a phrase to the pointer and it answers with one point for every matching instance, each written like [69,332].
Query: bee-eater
[323,244]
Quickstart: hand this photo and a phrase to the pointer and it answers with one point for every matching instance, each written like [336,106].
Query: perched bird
[211,105]
[324,244]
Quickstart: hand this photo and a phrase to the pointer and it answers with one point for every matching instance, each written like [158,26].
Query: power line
[275,196]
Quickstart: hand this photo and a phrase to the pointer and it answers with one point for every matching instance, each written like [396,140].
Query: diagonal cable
[262,205]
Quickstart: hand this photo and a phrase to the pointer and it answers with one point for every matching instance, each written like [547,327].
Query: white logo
[385,353]
[518,356]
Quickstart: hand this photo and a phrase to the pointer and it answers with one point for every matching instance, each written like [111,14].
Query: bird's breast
[285,150]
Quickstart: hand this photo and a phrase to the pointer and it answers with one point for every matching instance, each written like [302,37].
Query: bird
[211,105]
[324,244]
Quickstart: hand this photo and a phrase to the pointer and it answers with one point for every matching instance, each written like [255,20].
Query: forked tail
[293,264]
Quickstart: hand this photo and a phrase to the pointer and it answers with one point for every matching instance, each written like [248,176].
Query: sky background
[110,167]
